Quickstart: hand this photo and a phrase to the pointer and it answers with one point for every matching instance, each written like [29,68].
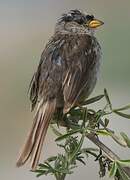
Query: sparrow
[66,76]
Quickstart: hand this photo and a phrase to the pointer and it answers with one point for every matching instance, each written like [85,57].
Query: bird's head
[76,21]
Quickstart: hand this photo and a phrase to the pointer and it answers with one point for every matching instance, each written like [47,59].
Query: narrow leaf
[39,171]
[106,122]
[125,137]
[124,162]
[86,152]
[123,108]
[107,98]
[55,131]
[42,173]
[75,112]
[102,132]
[77,149]
[50,167]
[85,113]
[122,114]
[113,169]
[118,139]
[68,134]
[90,149]
[80,160]
[43,166]
[93,100]
[50,159]
[122,173]
[63,171]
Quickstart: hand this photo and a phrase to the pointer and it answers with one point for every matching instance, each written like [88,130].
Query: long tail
[33,145]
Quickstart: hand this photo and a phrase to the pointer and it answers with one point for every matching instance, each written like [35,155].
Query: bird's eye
[68,18]
[89,17]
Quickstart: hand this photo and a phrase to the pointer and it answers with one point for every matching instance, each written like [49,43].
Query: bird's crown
[77,16]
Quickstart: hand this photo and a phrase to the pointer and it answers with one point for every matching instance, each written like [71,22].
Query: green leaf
[106,122]
[68,134]
[63,171]
[75,112]
[125,137]
[124,162]
[108,99]
[91,111]
[89,149]
[102,132]
[122,173]
[38,171]
[122,114]
[50,159]
[123,108]
[41,172]
[113,169]
[81,160]
[85,113]
[55,131]
[49,167]
[43,166]
[118,139]
[77,149]
[93,100]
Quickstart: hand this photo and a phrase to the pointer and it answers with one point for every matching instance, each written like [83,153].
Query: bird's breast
[93,61]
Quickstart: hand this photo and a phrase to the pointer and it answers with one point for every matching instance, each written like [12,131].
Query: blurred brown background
[25,27]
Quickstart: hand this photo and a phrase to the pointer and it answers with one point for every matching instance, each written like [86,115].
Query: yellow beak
[95,23]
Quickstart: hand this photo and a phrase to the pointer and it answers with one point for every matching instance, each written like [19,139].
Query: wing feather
[81,62]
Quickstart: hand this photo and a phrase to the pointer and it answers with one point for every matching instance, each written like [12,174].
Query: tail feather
[41,136]
[33,145]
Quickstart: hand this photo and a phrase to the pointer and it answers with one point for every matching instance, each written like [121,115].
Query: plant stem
[61,177]
[110,154]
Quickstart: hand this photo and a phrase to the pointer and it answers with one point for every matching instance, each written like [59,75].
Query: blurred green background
[25,27]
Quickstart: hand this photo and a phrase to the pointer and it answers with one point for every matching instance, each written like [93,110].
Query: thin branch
[110,154]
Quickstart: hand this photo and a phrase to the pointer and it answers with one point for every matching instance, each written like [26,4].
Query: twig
[110,154]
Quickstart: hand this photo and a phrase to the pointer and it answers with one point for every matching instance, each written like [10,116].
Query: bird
[66,75]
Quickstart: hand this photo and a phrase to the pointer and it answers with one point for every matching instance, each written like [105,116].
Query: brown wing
[81,60]
[46,82]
